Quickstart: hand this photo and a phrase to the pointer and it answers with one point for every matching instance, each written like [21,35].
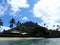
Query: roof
[15,31]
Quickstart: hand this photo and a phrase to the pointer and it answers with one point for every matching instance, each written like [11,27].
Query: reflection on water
[51,41]
[29,42]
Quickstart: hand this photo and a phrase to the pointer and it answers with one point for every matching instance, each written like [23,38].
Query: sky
[40,11]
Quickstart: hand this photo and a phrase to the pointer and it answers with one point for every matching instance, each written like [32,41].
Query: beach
[18,38]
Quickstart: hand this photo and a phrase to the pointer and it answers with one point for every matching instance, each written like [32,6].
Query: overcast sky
[40,11]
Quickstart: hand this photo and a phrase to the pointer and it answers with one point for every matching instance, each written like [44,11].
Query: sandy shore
[17,38]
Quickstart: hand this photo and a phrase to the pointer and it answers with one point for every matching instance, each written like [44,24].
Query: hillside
[29,29]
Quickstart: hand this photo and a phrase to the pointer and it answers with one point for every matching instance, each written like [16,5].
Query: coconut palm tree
[53,25]
[18,24]
[1,23]
[44,24]
[12,22]
[58,27]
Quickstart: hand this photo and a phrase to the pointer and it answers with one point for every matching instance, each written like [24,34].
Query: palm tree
[58,27]
[11,25]
[18,24]
[12,22]
[1,23]
[53,25]
[44,24]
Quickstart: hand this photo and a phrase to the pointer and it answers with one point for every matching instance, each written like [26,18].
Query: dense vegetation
[32,29]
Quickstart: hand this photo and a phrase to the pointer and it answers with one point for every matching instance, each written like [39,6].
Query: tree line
[32,29]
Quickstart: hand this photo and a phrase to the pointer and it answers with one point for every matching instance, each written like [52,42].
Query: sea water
[46,41]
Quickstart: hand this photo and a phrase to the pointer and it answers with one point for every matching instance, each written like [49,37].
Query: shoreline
[18,38]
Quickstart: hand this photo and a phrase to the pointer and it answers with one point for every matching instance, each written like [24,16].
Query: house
[15,31]
[18,31]
[24,33]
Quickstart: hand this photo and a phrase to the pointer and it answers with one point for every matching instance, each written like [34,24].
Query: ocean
[46,41]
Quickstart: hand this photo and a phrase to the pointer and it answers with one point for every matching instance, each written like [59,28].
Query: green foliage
[23,28]
[18,24]
[1,23]
[12,22]
[11,25]
[32,29]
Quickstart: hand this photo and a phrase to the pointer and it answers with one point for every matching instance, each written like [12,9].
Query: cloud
[3,8]
[25,18]
[48,11]
[4,28]
[13,6]
[17,4]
